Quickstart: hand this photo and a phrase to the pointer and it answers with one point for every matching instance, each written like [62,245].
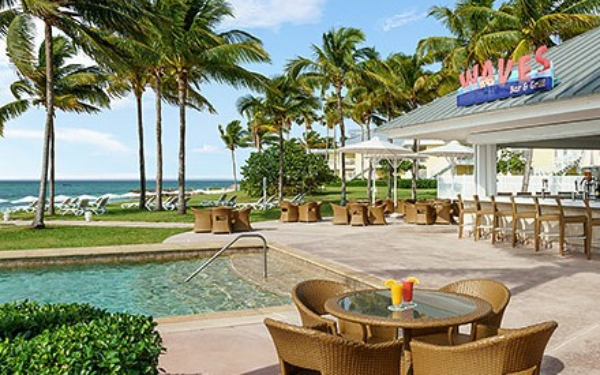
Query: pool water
[155,289]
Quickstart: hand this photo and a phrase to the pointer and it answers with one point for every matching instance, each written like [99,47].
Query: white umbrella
[451,151]
[27,199]
[378,150]
[590,159]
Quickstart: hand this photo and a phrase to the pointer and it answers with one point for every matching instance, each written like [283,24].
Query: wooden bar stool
[521,217]
[462,211]
[480,216]
[592,222]
[500,217]
[562,221]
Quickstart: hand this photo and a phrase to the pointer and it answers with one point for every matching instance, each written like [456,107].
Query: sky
[104,145]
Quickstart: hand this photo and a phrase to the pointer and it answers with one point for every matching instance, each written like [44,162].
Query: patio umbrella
[590,159]
[451,151]
[379,150]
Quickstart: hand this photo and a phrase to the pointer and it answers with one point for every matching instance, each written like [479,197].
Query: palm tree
[234,136]
[198,54]
[78,89]
[78,20]
[332,66]
[278,107]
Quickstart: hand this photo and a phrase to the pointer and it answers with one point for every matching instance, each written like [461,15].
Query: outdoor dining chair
[491,291]
[202,221]
[358,214]
[289,212]
[221,220]
[302,348]
[341,215]
[511,351]
[241,220]
[307,212]
[377,215]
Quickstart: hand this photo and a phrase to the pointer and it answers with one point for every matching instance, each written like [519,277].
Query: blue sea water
[14,190]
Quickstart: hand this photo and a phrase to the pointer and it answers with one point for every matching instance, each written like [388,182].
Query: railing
[226,247]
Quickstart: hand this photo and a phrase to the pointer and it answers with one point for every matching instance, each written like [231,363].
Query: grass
[20,237]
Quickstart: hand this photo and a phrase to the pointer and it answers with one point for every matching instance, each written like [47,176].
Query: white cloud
[402,19]
[103,142]
[207,149]
[271,14]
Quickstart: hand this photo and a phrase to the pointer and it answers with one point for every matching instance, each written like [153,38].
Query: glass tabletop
[433,308]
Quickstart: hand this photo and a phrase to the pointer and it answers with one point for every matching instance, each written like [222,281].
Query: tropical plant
[304,172]
[510,161]
[278,107]
[78,88]
[332,65]
[196,53]
[80,21]
[234,136]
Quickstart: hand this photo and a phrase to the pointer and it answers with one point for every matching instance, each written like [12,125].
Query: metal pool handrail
[226,247]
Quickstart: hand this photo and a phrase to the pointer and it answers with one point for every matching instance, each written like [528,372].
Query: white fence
[448,187]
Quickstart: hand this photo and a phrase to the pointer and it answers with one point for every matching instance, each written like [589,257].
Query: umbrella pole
[395,163]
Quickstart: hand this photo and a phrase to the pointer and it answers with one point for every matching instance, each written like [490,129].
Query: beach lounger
[28,208]
[218,202]
[99,206]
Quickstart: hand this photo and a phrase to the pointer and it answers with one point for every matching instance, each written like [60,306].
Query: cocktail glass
[407,294]
[396,293]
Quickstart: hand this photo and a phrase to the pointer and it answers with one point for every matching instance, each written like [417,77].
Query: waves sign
[505,82]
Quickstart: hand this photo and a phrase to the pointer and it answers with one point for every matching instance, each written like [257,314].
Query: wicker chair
[358,214]
[494,292]
[241,222]
[389,206]
[289,212]
[318,211]
[308,212]
[377,215]
[221,220]
[340,214]
[202,221]
[309,297]
[512,351]
[443,212]
[425,213]
[312,349]
[410,212]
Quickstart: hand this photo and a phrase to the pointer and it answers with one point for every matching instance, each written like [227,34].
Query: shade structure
[377,149]
[590,159]
[451,151]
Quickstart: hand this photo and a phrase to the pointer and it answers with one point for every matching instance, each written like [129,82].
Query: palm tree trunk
[159,156]
[415,170]
[342,143]
[142,162]
[182,93]
[51,190]
[38,221]
[235,184]
[370,171]
[281,170]
[527,172]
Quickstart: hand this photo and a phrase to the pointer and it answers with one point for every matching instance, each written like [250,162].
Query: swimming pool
[153,288]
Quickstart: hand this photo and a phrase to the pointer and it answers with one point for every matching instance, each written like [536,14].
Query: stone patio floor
[544,285]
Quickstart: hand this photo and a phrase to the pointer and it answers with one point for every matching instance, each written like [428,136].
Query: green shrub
[75,339]
[422,183]
[303,172]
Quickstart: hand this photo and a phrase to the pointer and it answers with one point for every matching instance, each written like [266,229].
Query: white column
[485,170]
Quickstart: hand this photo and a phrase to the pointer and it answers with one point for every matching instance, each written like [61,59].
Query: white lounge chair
[99,206]
[170,203]
[218,202]
[26,208]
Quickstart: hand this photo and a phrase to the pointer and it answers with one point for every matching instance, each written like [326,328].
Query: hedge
[75,339]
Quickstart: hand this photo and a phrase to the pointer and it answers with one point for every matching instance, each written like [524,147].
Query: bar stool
[521,217]
[480,215]
[592,222]
[562,221]
[500,216]
[462,211]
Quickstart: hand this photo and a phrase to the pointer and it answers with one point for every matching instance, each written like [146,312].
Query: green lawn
[20,237]
[15,238]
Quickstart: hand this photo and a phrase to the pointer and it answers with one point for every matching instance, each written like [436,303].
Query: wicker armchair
[202,221]
[312,349]
[340,214]
[358,214]
[241,222]
[389,206]
[512,351]
[318,211]
[221,220]
[494,292]
[289,212]
[308,212]
[309,297]
[377,215]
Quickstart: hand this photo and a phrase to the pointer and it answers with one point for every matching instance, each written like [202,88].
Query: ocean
[14,190]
